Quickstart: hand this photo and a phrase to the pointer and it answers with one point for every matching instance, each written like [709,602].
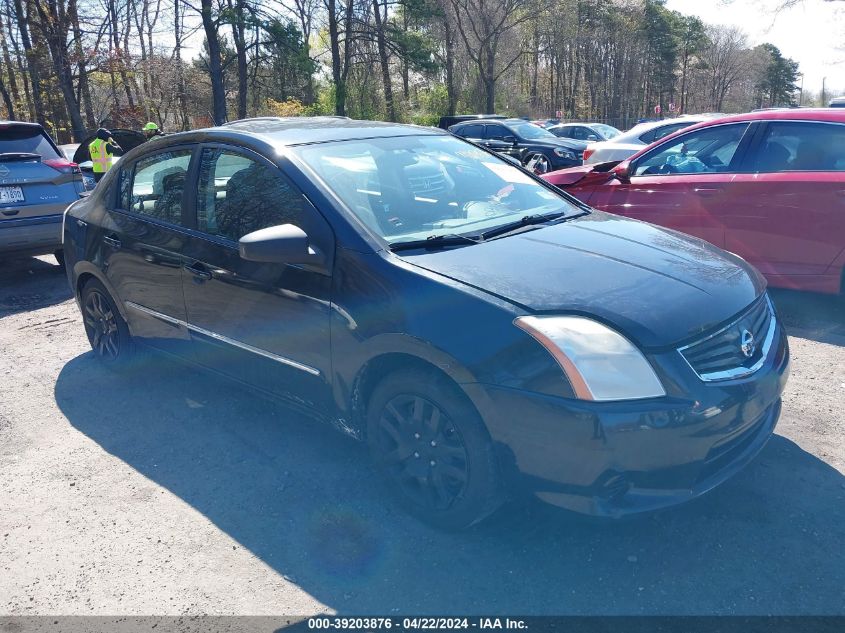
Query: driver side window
[706,151]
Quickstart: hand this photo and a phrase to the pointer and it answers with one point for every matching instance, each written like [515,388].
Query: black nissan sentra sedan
[484,333]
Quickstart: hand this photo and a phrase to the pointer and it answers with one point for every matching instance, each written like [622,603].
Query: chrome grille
[737,349]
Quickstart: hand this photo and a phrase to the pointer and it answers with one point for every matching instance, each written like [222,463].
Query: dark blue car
[484,333]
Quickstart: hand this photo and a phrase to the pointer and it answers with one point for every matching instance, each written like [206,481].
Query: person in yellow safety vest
[102,150]
[151,130]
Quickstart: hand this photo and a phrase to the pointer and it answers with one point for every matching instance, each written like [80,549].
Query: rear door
[36,180]
[788,214]
[494,138]
[143,235]
[682,184]
[262,323]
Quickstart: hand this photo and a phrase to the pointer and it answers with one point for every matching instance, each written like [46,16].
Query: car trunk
[127,139]
[35,179]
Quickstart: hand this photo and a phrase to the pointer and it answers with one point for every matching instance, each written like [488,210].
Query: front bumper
[618,458]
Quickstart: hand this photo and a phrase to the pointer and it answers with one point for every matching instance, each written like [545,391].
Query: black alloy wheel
[423,451]
[433,449]
[107,332]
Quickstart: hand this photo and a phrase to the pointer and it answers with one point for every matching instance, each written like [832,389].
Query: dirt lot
[170,492]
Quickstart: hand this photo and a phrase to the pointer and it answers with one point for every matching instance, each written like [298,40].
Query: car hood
[656,286]
[583,175]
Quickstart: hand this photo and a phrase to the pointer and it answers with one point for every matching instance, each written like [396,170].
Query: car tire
[543,164]
[106,329]
[433,450]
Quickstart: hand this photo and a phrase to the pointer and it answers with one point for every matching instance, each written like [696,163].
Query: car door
[788,217]
[682,184]
[266,324]
[494,138]
[143,234]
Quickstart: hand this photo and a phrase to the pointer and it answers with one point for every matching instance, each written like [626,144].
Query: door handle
[112,241]
[11,212]
[199,271]
[707,191]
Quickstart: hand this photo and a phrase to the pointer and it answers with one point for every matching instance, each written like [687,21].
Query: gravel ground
[172,492]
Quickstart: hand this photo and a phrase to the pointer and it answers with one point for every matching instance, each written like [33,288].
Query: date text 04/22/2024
[429,623]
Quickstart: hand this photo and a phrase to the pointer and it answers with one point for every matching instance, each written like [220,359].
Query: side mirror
[623,171]
[510,139]
[592,137]
[283,244]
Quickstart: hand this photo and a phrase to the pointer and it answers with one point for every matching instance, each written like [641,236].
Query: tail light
[588,152]
[62,165]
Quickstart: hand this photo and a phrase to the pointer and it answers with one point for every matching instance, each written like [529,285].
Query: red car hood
[583,175]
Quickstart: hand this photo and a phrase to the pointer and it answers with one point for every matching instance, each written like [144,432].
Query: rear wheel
[107,332]
[433,449]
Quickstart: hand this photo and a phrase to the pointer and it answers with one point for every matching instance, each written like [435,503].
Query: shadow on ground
[813,316]
[31,283]
[304,500]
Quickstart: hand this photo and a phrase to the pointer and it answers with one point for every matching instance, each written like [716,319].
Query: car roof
[6,123]
[785,114]
[288,131]
[823,115]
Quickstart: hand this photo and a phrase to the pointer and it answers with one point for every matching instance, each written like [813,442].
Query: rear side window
[661,132]
[709,150]
[496,132]
[25,139]
[801,146]
[158,185]
[239,195]
[471,131]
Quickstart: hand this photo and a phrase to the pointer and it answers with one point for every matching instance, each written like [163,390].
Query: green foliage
[778,83]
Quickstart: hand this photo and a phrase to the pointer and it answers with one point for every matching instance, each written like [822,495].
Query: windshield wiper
[434,242]
[528,220]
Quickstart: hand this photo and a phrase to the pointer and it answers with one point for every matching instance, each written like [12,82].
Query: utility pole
[824,97]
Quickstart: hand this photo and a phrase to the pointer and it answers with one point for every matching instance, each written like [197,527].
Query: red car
[768,186]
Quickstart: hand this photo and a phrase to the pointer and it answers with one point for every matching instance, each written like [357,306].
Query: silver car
[629,143]
[37,183]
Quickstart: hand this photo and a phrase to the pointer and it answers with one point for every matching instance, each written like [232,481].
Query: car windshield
[20,139]
[419,187]
[530,131]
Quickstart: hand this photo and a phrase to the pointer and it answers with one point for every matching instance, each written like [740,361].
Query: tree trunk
[84,88]
[53,26]
[489,75]
[180,71]
[451,92]
[31,63]
[239,38]
[385,62]
[218,94]
[334,41]
[121,67]
[13,82]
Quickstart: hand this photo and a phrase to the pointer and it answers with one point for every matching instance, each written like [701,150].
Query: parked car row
[528,143]
[768,186]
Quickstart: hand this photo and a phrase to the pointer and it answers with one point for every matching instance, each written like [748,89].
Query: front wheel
[106,330]
[433,450]
[538,164]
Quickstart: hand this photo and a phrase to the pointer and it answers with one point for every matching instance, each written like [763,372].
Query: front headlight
[564,153]
[600,363]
